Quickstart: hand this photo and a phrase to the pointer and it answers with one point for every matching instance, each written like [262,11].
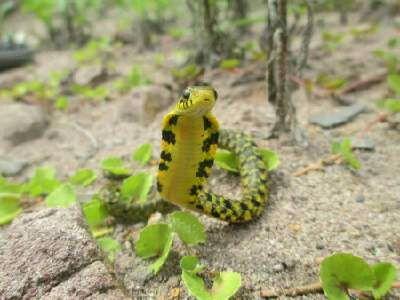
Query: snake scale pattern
[190,138]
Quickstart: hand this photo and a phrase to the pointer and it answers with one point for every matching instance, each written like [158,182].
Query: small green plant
[43,182]
[47,91]
[331,40]
[83,177]
[136,187]
[63,196]
[135,78]
[225,284]
[142,154]
[228,160]
[330,82]
[188,72]
[96,215]
[88,93]
[390,59]
[63,20]
[344,149]
[10,205]
[393,81]
[229,64]
[156,240]
[362,32]
[392,105]
[342,271]
[93,51]
[110,246]
[114,167]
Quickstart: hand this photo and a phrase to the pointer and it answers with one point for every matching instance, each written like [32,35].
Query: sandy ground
[307,218]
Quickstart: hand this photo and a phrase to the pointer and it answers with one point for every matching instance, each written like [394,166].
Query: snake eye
[186,94]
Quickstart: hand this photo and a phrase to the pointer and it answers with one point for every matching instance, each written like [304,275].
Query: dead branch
[319,165]
[363,84]
[313,288]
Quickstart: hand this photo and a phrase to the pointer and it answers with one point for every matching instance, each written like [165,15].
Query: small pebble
[278,268]
[360,198]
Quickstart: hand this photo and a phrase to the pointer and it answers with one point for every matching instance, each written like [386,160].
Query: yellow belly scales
[188,149]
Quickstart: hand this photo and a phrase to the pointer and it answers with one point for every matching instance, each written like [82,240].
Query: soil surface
[307,217]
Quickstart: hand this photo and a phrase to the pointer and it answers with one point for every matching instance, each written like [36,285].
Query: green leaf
[135,78]
[92,50]
[344,149]
[188,227]
[137,187]
[155,240]
[393,81]
[195,286]
[115,166]
[385,275]
[43,182]
[8,188]
[110,246]
[142,154]
[226,160]
[9,207]
[270,158]
[330,82]
[225,285]
[229,63]
[391,59]
[190,264]
[83,177]
[187,72]
[343,271]
[63,196]
[61,103]
[392,105]
[96,216]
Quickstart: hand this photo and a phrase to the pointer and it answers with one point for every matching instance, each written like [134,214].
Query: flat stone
[48,252]
[364,143]
[20,123]
[10,166]
[341,115]
[94,281]
[143,105]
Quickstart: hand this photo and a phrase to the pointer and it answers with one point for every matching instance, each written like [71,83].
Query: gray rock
[364,143]
[94,281]
[340,116]
[50,254]
[144,104]
[86,75]
[10,166]
[20,123]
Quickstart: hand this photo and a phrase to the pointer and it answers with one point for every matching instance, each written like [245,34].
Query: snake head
[197,100]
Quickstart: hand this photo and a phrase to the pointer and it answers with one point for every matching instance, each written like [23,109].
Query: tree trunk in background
[279,69]
[211,44]
[239,10]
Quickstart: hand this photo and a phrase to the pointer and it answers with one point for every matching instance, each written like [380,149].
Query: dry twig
[312,288]
[319,165]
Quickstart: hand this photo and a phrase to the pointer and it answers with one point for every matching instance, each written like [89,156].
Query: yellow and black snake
[190,138]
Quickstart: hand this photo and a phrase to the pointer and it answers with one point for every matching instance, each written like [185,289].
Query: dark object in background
[14,53]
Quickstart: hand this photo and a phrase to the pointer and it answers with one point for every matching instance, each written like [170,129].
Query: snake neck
[178,177]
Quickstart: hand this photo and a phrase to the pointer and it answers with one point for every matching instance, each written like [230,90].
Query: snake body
[190,138]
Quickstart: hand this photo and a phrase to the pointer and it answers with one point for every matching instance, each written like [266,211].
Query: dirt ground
[307,217]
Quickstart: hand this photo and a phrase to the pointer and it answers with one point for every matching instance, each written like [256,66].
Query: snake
[190,137]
